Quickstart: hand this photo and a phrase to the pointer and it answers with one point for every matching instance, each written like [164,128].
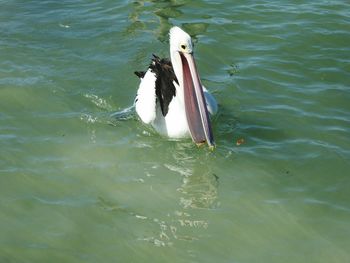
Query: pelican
[171,96]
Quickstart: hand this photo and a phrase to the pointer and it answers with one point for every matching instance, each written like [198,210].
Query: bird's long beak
[195,104]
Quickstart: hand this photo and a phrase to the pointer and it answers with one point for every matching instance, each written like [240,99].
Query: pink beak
[195,104]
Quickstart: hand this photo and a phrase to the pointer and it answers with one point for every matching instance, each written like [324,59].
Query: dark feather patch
[140,74]
[165,76]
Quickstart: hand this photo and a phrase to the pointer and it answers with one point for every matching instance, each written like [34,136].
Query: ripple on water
[80,173]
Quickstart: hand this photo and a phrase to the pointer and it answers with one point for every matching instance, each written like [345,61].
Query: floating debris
[240,141]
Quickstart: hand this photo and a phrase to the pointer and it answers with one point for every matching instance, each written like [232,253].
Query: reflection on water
[164,11]
[197,193]
[199,190]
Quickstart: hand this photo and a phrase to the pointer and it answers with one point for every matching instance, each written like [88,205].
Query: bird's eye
[183,46]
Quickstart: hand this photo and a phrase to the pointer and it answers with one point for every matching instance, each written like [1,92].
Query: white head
[180,41]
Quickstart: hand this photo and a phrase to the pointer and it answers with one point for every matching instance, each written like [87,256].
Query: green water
[79,184]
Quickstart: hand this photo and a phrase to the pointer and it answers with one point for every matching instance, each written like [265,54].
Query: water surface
[79,183]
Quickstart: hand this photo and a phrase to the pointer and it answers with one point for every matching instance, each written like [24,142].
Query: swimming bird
[171,96]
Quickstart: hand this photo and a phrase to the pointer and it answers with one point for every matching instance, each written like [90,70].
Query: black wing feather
[140,74]
[165,77]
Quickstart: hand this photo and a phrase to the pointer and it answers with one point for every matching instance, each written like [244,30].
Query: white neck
[177,66]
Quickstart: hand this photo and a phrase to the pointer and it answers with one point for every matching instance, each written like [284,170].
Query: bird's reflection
[198,196]
[199,190]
